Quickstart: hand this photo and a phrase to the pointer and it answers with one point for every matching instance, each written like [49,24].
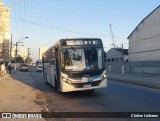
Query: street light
[16,50]
[23,38]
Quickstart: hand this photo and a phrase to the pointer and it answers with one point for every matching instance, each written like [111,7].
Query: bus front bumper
[83,86]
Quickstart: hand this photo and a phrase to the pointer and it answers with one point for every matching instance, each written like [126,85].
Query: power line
[46,26]
[24,15]
[15,20]
[15,4]
[57,28]
[20,24]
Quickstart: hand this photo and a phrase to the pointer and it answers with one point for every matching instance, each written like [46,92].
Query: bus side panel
[46,74]
[50,73]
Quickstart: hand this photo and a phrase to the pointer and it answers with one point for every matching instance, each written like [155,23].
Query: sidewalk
[7,74]
[151,81]
[17,94]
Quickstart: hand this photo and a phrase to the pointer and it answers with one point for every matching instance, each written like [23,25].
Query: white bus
[39,65]
[75,64]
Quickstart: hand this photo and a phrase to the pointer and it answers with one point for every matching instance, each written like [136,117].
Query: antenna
[112,36]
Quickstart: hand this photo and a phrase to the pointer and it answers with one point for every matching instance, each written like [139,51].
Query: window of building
[85,42]
[112,59]
[116,59]
[126,60]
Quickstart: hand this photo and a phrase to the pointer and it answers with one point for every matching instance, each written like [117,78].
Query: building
[4,32]
[144,45]
[116,59]
[23,52]
[41,51]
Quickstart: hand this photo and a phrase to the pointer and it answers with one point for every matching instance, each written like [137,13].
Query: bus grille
[84,73]
[81,85]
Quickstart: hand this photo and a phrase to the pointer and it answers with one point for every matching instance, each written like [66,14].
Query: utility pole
[122,59]
[16,50]
[122,53]
[16,57]
[28,54]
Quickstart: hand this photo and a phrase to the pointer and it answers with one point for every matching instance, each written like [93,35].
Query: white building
[116,58]
[41,51]
[144,44]
[23,52]
[13,52]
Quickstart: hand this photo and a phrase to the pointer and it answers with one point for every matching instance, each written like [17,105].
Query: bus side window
[46,63]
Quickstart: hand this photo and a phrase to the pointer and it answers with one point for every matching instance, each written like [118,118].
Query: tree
[28,60]
[18,59]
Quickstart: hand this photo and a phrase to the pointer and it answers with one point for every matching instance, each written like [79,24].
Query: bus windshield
[82,59]
[39,64]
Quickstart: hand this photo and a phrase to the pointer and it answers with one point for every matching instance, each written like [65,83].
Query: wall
[144,43]
[115,67]
[144,67]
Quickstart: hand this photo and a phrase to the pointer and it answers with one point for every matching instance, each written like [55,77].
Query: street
[33,94]
[79,45]
[117,97]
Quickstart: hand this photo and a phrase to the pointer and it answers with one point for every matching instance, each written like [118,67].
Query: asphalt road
[117,97]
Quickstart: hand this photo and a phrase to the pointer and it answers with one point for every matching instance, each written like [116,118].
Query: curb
[136,82]
[8,75]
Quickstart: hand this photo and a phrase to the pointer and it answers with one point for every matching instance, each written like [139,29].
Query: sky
[47,21]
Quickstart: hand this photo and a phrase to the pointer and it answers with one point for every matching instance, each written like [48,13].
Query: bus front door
[57,80]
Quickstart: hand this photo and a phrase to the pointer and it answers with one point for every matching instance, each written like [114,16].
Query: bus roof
[58,42]
[79,38]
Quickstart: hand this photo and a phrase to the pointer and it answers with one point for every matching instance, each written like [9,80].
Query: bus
[39,65]
[75,64]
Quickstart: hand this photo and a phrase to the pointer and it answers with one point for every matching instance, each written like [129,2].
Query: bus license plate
[87,85]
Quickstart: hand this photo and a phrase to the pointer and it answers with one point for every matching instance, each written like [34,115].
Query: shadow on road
[35,79]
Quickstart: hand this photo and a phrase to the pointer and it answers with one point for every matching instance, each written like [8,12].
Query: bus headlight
[67,80]
[64,79]
[104,77]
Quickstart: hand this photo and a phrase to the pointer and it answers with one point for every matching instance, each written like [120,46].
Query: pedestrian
[9,67]
[3,69]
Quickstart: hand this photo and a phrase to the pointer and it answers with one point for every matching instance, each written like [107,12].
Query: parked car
[23,67]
